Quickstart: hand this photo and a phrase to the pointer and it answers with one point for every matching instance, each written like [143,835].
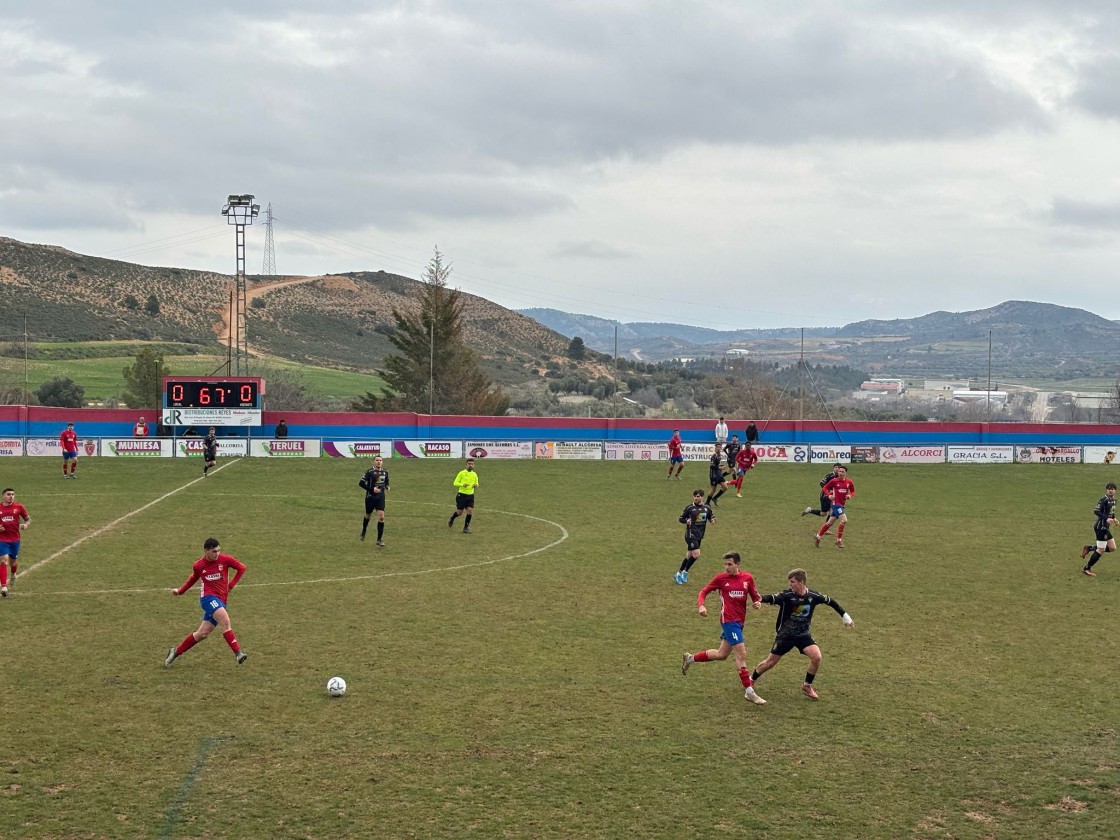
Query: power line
[269,269]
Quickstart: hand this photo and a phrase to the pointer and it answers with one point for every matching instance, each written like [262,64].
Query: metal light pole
[239,212]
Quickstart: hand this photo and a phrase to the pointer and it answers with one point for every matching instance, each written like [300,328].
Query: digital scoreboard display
[212,393]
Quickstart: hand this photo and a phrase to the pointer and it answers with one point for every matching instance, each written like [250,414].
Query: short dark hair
[798,575]
[697,492]
[211,542]
[9,489]
[1109,486]
[733,555]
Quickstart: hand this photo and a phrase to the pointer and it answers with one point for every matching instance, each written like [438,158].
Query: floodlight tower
[239,212]
[269,269]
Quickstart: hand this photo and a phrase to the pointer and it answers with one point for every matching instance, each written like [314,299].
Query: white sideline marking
[23,573]
[563,536]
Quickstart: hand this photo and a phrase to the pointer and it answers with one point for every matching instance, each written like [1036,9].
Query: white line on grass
[460,567]
[25,572]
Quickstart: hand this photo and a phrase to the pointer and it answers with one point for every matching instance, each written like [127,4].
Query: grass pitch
[523,681]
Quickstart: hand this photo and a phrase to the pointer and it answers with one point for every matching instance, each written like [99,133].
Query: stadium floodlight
[240,210]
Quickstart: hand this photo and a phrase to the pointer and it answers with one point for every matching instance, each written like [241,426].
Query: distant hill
[1028,340]
[339,320]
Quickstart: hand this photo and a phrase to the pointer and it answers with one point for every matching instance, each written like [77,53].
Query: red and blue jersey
[734,592]
[214,576]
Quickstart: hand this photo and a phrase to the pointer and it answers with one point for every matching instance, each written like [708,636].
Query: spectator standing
[281,430]
[140,430]
[721,432]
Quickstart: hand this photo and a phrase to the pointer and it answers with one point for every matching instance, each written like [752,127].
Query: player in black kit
[695,520]
[1105,511]
[716,477]
[730,450]
[826,503]
[209,451]
[376,484]
[793,627]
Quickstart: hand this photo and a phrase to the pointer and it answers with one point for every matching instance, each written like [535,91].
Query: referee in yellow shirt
[465,483]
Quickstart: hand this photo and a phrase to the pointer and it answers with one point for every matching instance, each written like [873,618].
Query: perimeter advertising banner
[782,453]
[636,452]
[428,448]
[498,449]
[831,454]
[357,448]
[136,448]
[912,454]
[569,451]
[981,454]
[44,447]
[285,448]
[865,454]
[1048,454]
[11,447]
[690,451]
[192,448]
[1101,454]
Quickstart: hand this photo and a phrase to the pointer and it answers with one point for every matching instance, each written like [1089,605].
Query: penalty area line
[105,528]
[353,578]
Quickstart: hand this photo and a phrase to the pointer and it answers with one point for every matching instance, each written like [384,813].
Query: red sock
[745,677]
[231,640]
[700,656]
[3,575]
[840,531]
[186,645]
[15,567]
[823,530]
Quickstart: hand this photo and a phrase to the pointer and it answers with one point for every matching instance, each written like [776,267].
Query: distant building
[997,398]
[883,386]
[736,351]
[946,385]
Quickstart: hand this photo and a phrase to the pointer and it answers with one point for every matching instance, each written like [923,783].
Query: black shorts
[784,644]
[692,540]
[375,501]
[210,454]
[464,500]
[826,504]
[716,479]
[1103,534]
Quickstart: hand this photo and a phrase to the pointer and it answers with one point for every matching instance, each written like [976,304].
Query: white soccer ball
[336,686]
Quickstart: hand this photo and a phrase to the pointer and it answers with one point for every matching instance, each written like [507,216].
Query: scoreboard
[210,401]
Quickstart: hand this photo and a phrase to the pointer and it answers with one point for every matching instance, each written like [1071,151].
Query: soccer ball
[336,686]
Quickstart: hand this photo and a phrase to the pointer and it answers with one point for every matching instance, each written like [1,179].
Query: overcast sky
[725,164]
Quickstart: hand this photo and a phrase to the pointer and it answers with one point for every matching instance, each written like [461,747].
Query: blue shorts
[66,456]
[732,632]
[837,511]
[210,604]
[676,459]
[10,548]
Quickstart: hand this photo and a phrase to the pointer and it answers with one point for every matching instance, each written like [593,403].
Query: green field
[523,681]
[101,377]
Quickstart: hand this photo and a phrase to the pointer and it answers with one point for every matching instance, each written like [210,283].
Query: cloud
[590,250]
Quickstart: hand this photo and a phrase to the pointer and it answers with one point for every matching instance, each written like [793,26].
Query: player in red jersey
[212,568]
[676,455]
[140,430]
[13,519]
[840,491]
[68,440]
[745,459]
[735,587]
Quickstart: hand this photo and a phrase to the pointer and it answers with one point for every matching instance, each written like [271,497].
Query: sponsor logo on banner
[134,448]
[1102,454]
[193,447]
[428,448]
[1048,454]
[912,454]
[865,455]
[577,451]
[499,449]
[781,453]
[357,448]
[542,450]
[981,454]
[286,448]
[831,454]
[11,447]
[694,451]
[636,452]
[210,417]
[43,447]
